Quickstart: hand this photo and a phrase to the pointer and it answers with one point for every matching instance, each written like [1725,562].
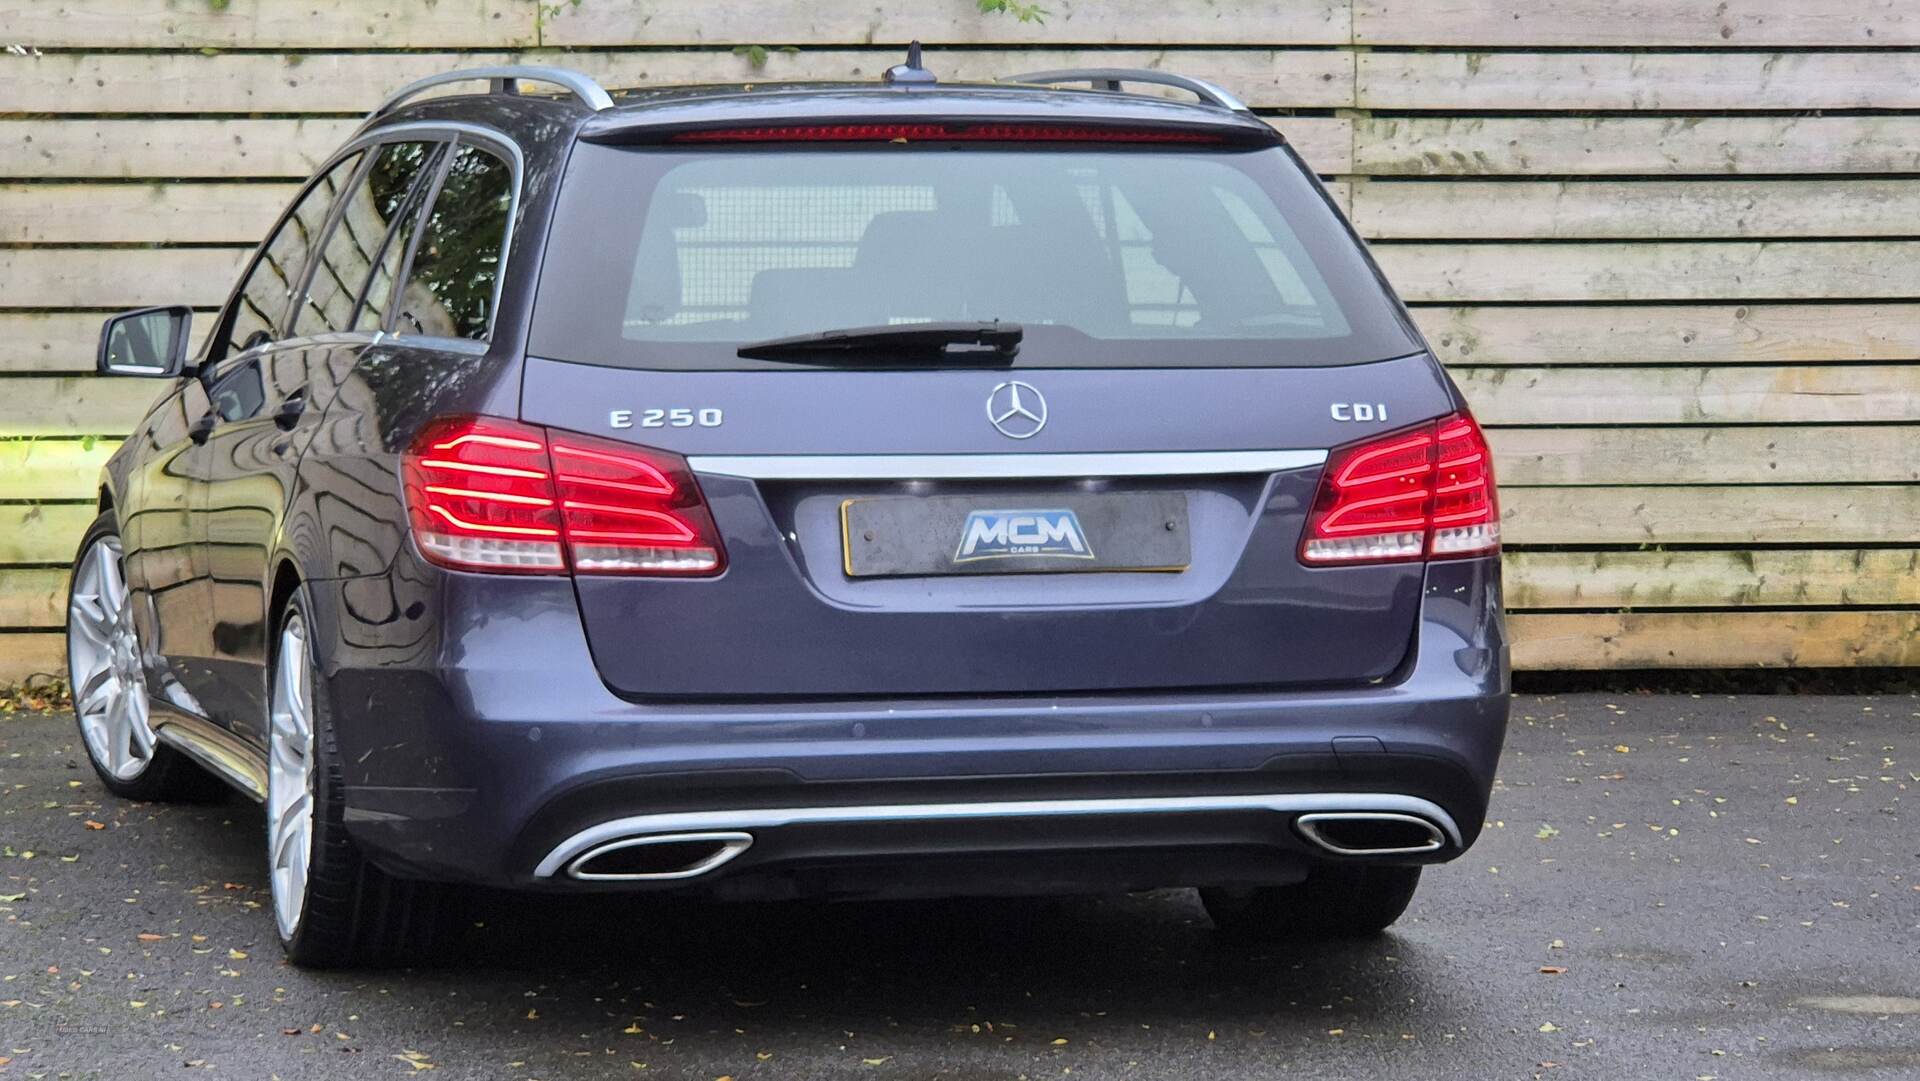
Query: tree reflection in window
[449,292]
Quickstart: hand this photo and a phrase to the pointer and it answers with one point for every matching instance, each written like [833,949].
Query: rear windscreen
[1148,258]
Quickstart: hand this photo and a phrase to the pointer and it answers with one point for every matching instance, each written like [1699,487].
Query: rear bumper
[479,744]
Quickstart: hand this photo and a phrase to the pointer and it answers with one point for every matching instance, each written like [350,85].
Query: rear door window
[671,258]
[455,273]
[261,300]
[360,255]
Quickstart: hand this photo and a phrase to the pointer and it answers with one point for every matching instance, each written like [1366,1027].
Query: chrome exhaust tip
[1370,833]
[660,857]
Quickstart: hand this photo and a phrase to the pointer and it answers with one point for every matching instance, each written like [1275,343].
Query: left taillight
[1421,492]
[485,494]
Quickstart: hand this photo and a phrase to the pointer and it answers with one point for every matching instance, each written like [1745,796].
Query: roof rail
[502,80]
[1112,78]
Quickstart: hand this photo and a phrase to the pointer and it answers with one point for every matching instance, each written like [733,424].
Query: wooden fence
[1668,247]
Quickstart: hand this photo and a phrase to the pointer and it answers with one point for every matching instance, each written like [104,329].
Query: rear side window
[456,266]
[262,297]
[670,258]
[360,251]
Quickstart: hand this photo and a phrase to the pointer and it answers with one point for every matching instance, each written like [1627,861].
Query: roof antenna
[912,71]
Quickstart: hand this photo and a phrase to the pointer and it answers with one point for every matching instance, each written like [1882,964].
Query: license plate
[1022,534]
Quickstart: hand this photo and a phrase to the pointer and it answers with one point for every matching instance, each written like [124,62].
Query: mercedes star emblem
[1017,409]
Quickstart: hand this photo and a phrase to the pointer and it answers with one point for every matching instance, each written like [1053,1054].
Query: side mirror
[151,342]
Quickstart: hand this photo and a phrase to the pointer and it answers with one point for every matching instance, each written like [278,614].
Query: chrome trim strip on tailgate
[1295,803]
[1001,466]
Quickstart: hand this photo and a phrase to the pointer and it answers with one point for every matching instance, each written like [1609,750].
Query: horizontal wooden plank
[140,213]
[1776,454]
[1639,209]
[1639,146]
[1818,577]
[66,405]
[1088,22]
[1674,334]
[273,24]
[1661,270]
[61,341]
[1526,336]
[1635,23]
[1541,641]
[136,149]
[25,656]
[1648,81]
[1383,210]
[33,597]
[1840,394]
[1833,514]
[1325,142]
[1546,641]
[356,82]
[36,596]
[117,278]
[52,468]
[42,532]
[1423,272]
[291,149]
[184,24]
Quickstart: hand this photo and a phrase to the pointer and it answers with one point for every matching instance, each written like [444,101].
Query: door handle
[201,429]
[285,417]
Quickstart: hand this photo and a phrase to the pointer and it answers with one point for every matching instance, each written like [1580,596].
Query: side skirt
[221,752]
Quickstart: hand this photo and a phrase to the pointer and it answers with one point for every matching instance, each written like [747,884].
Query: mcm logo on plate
[1003,534]
[1017,409]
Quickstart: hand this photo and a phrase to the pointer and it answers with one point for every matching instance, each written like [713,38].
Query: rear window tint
[455,271]
[670,259]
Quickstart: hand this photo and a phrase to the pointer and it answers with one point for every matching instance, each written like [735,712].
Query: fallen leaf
[1553,970]
[149,936]
[237,955]
[1549,1026]
[92,825]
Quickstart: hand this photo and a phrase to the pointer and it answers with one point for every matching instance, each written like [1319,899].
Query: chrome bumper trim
[1001,466]
[1288,804]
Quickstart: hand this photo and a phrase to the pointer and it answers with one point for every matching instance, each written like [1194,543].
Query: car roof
[638,110]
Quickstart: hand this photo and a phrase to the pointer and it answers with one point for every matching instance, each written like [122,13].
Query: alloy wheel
[290,776]
[103,660]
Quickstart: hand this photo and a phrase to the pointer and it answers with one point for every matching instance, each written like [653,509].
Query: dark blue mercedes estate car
[808,490]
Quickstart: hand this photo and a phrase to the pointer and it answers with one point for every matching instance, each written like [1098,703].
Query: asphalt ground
[1684,887]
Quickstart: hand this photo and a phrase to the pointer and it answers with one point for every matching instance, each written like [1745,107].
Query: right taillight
[485,494]
[1425,491]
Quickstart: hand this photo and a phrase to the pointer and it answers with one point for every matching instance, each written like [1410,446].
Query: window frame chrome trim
[1002,466]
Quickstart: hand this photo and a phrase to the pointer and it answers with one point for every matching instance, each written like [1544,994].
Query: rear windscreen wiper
[1000,341]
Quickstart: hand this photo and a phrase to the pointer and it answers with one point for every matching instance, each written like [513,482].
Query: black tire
[169,775]
[1335,900]
[354,914]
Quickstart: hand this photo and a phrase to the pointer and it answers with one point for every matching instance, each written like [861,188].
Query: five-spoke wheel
[103,656]
[290,775]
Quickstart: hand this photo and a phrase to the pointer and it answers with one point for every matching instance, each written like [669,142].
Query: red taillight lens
[627,511]
[480,496]
[493,495]
[921,132]
[1426,490]
[1466,509]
